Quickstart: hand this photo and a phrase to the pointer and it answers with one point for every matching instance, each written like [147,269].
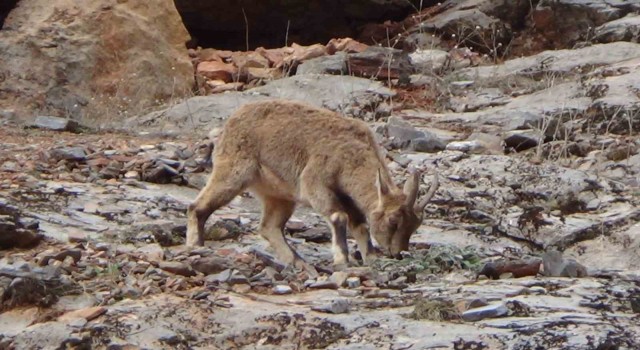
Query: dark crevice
[222,24]
[5,7]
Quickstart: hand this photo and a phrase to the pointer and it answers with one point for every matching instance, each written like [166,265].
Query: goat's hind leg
[275,214]
[227,180]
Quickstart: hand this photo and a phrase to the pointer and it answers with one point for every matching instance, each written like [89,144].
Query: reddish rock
[275,56]
[217,70]
[348,45]
[247,60]
[88,314]
[236,86]
[302,53]
[245,258]
[226,252]
[264,73]
[542,18]
[213,55]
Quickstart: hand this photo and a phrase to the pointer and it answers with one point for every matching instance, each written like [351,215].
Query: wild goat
[290,153]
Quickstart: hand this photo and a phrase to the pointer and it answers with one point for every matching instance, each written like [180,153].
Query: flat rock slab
[201,114]
[56,124]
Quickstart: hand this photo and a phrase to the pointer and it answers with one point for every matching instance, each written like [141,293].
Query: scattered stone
[196,180]
[45,257]
[103,247]
[241,288]
[333,64]
[132,174]
[623,29]
[32,285]
[76,236]
[147,148]
[12,233]
[554,265]
[295,225]
[282,289]
[353,282]
[380,63]
[153,252]
[347,45]
[47,335]
[339,278]
[376,293]
[481,313]
[111,171]
[517,268]
[473,146]
[349,293]
[398,283]
[465,304]
[56,124]
[130,292]
[634,301]
[216,70]
[401,132]
[428,61]
[229,276]
[161,174]
[338,306]
[521,140]
[88,314]
[324,285]
[369,283]
[69,153]
[9,167]
[7,114]
[245,60]
[429,143]
[314,234]
[177,268]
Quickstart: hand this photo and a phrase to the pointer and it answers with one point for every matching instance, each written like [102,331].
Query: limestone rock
[78,58]
[55,123]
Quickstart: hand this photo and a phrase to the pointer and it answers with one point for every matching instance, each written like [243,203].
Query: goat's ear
[383,187]
[411,187]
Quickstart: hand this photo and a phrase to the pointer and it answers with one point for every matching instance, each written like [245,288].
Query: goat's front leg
[366,248]
[338,222]
[315,189]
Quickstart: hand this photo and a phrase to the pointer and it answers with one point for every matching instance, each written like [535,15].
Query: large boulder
[99,59]
[563,23]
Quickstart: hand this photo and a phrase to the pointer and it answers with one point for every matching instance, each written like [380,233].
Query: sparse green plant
[437,259]
[434,310]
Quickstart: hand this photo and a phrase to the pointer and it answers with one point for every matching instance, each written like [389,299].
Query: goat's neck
[361,186]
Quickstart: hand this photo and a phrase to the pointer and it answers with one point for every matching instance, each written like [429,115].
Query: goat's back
[285,135]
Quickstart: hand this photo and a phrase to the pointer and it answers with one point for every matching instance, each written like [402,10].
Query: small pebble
[282,289]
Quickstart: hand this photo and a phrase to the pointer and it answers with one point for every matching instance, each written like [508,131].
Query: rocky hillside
[528,110]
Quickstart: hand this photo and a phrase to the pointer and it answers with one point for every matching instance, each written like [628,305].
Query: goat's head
[398,215]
